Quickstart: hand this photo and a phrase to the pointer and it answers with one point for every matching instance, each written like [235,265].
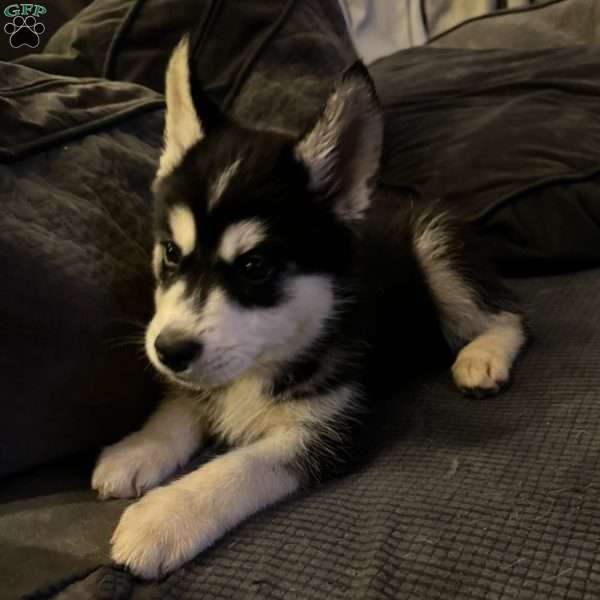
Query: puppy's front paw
[480,372]
[132,466]
[161,532]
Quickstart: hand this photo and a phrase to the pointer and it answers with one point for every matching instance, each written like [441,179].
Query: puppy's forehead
[219,199]
[220,181]
[182,220]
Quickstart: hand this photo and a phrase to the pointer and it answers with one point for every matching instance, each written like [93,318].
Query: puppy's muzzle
[175,351]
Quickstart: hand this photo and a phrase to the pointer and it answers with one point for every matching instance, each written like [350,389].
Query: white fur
[236,339]
[495,339]
[183,228]
[145,458]
[157,258]
[244,411]
[241,237]
[171,525]
[182,125]
[484,364]
[221,183]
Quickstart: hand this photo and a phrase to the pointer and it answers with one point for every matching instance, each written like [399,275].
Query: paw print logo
[24,31]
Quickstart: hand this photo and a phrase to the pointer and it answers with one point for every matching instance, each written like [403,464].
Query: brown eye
[256,268]
[171,253]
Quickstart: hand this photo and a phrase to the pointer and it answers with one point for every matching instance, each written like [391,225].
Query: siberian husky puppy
[287,288]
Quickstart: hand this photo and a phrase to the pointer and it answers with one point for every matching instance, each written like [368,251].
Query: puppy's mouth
[207,376]
[199,369]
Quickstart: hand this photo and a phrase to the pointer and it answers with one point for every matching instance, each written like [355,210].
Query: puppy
[287,289]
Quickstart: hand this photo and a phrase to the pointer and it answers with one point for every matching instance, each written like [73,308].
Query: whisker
[125,341]
[137,323]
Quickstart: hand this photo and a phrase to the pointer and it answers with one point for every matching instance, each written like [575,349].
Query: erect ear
[342,150]
[190,114]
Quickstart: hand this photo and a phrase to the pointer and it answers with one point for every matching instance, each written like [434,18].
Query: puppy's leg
[475,311]
[145,458]
[172,524]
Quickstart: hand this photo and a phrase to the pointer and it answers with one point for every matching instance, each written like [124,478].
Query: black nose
[176,352]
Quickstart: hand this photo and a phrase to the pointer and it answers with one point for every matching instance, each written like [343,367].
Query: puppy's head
[253,235]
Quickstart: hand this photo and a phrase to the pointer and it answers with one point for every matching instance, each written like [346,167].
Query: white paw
[480,372]
[132,466]
[162,531]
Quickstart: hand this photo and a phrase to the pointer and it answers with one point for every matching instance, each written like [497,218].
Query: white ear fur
[182,125]
[342,151]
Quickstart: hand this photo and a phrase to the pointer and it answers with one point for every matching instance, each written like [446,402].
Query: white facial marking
[174,310]
[182,125]
[183,228]
[221,183]
[157,257]
[241,237]
[236,339]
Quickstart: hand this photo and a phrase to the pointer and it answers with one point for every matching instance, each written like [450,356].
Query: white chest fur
[246,411]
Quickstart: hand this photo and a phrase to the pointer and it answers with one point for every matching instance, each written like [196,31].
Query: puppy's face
[252,231]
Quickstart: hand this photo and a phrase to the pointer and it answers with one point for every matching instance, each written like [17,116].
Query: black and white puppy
[285,287]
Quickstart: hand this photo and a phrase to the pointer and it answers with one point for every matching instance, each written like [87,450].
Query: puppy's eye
[256,268]
[171,253]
